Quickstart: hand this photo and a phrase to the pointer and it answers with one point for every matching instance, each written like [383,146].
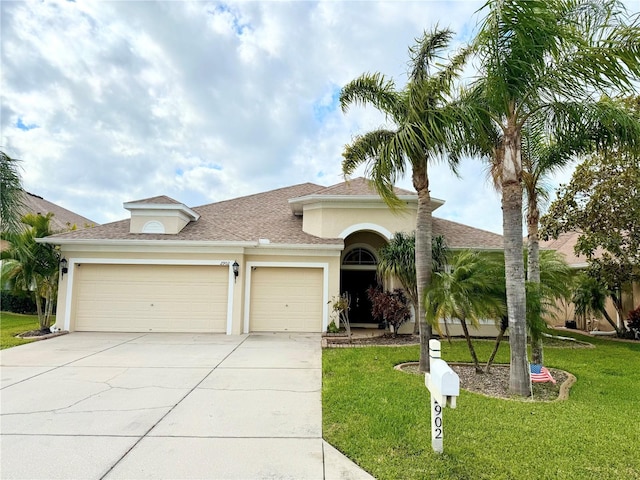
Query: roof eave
[145,242]
[181,207]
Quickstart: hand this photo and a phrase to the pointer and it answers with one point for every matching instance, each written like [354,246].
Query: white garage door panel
[286,299]
[159,298]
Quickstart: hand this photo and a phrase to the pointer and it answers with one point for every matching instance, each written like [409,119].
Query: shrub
[10,302]
[389,307]
[333,328]
[633,319]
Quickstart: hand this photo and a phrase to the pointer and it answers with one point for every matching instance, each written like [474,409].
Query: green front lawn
[14,323]
[380,417]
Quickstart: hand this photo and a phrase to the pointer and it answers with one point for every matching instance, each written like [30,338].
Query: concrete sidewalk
[120,405]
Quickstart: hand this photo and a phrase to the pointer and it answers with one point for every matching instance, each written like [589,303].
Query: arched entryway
[358,273]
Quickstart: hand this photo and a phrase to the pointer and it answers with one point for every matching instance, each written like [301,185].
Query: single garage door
[151,298]
[286,299]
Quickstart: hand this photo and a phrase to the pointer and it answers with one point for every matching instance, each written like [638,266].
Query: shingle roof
[356,186]
[264,215]
[160,200]
[460,236]
[62,218]
[268,216]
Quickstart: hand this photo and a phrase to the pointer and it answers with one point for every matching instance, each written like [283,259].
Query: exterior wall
[566,312]
[331,222]
[173,221]
[486,329]
[371,239]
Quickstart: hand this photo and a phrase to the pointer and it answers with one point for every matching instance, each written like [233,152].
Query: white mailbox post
[444,385]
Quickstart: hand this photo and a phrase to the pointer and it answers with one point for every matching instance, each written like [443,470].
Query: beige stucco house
[565,245]
[170,268]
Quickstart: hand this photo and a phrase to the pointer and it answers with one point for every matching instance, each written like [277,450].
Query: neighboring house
[565,244]
[62,219]
[170,268]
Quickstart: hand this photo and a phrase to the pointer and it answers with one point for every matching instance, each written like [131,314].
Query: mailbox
[443,383]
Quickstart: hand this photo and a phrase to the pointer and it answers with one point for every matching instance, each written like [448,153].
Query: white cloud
[204,101]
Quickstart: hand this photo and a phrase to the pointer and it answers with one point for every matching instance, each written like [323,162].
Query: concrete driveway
[132,405]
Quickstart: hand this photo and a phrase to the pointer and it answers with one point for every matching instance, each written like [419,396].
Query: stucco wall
[331,222]
[173,222]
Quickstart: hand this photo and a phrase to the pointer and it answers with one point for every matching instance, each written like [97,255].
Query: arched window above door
[359,256]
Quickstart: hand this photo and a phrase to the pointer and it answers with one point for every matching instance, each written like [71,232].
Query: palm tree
[589,298]
[421,133]
[397,259]
[11,193]
[534,55]
[33,267]
[556,281]
[553,284]
[468,291]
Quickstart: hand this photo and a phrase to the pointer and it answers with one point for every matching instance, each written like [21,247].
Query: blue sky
[108,102]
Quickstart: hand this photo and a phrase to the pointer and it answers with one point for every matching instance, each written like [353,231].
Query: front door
[356,283]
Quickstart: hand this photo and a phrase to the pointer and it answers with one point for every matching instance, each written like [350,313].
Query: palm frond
[377,90]
[428,47]
[11,193]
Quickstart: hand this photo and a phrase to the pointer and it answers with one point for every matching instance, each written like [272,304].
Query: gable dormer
[159,215]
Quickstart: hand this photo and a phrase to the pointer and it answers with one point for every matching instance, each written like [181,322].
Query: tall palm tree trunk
[423,258]
[519,382]
[472,350]
[533,267]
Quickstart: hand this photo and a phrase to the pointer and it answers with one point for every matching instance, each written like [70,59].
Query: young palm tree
[468,291]
[589,298]
[553,284]
[556,280]
[10,193]
[31,266]
[422,129]
[398,259]
[534,55]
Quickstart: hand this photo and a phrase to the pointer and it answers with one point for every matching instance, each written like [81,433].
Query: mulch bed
[493,384]
[39,335]
[496,383]
[341,341]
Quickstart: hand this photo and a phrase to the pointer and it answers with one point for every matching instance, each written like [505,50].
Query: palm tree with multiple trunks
[547,60]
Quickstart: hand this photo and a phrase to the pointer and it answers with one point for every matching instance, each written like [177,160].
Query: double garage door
[151,298]
[193,298]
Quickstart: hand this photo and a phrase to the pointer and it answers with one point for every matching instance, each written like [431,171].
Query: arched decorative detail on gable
[364,227]
[153,226]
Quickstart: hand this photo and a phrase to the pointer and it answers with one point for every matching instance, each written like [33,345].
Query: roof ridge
[251,195]
[357,184]
[156,198]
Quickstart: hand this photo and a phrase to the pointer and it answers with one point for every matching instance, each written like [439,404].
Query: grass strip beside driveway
[379,417]
[12,324]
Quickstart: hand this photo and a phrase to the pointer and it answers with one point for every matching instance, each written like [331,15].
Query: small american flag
[540,374]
